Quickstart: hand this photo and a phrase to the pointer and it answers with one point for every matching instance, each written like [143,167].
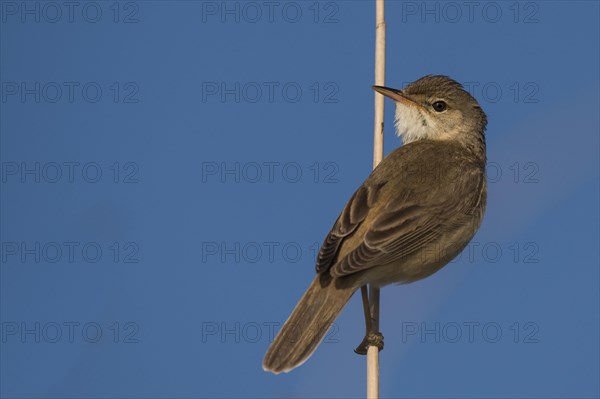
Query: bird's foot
[371,339]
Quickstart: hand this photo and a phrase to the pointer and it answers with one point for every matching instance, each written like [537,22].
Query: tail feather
[307,325]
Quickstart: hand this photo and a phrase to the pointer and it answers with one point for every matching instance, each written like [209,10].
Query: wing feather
[405,228]
[405,211]
[351,217]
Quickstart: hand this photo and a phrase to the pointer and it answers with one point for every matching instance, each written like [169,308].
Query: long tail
[305,328]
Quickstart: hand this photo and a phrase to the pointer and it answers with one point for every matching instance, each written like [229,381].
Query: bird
[416,211]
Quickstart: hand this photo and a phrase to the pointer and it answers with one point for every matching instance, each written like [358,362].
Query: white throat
[412,124]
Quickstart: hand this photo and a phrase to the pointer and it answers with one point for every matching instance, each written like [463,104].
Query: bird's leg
[372,338]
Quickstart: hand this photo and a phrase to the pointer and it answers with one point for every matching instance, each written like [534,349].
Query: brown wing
[405,226]
[393,235]
[351,217]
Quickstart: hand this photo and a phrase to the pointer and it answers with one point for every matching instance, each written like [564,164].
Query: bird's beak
[396,95]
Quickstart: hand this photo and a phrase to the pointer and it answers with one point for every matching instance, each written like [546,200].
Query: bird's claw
[371,339]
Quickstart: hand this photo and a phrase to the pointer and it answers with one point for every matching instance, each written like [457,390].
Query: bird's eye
[439,106]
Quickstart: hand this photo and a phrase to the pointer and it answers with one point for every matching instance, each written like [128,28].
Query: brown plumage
[416,211]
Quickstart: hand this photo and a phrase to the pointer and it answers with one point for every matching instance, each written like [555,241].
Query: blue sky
[170,168]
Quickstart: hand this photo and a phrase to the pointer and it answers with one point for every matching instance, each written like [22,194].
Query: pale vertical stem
[373,372]
[379,81]
[373,351]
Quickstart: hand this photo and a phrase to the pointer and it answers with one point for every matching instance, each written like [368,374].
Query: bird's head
[436,108]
